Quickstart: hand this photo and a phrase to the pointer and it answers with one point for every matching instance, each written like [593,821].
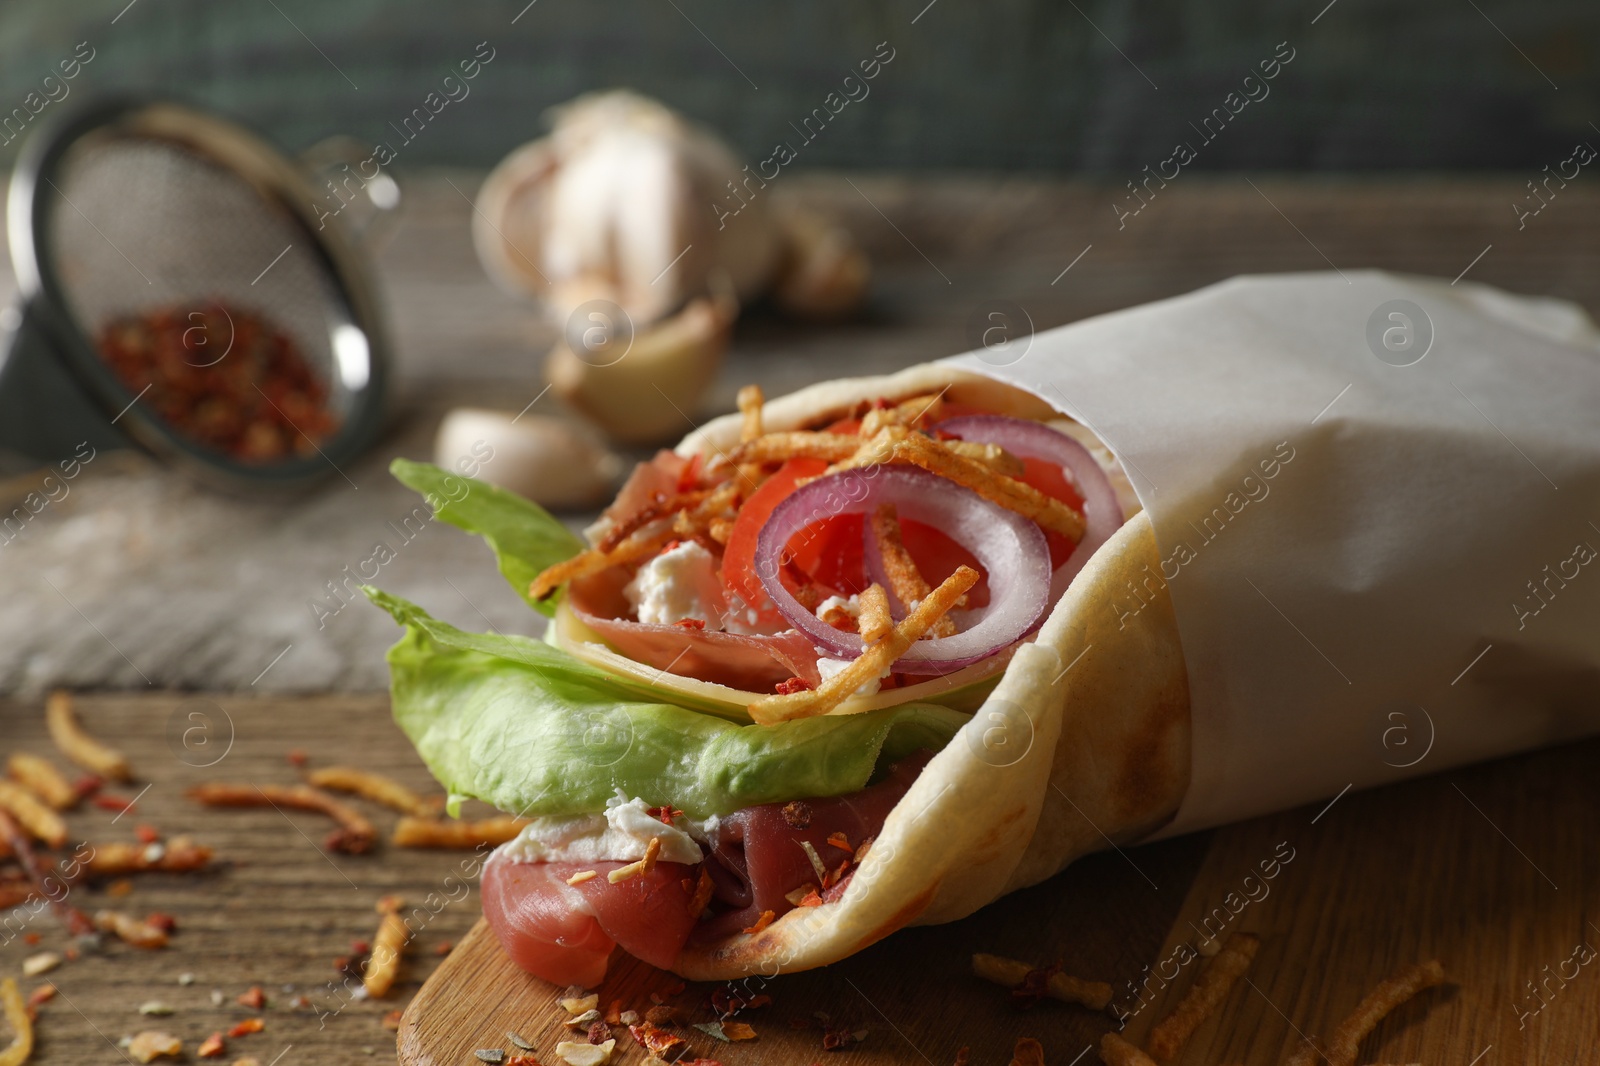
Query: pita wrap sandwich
[811,680]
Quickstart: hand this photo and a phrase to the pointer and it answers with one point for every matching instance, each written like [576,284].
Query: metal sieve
[136,208]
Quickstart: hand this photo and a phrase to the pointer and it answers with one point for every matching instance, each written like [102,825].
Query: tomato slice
[739,554]
[1049,479]
[830,551]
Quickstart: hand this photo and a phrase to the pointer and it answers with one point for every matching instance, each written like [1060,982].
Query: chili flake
[226,378]
[790,686]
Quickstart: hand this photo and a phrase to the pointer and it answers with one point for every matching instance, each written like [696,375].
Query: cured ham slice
[754,663]
[758,857]
[565,933]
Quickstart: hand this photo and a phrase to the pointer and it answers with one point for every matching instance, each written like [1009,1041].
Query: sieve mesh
[137,224]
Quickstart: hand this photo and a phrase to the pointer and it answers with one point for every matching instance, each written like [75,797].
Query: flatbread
[1084,743]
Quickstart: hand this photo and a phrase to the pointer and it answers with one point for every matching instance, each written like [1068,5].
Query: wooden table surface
[1485,868]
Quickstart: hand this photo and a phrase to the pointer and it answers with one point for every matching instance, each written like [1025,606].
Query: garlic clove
[825,273]
[624,190]
[556,463]
[649,393]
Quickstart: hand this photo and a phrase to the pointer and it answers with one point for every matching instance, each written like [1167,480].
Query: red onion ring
[1012,551]
[1035,440]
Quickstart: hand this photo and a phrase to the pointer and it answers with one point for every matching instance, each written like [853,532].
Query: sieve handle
[364,197]
[45,415]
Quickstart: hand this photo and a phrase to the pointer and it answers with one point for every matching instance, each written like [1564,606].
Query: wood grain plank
[1489,869]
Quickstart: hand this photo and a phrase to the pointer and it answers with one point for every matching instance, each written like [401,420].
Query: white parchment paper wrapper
[1378,570]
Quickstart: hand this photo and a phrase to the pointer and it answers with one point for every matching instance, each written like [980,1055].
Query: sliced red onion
[1011,549]
[1034,440]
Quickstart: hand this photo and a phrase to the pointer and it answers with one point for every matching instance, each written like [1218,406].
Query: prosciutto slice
[754,663]
[758,857]
[564,933]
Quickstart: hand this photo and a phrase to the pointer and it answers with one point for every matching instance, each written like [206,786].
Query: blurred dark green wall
[1101,86]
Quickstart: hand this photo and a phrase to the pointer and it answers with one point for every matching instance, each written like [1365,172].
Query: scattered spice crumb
[152,1044]
[655,1041]
[580,1004]
[246,1027]
[516,1038]
[490,1054]
[797,814]
[42,963]
[212,1047]
[663,1015]
[156,1008]
[1028,1052]
[761,923]
[255,999]
[576,1054]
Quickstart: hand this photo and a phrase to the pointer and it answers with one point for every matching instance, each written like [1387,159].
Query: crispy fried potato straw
[439,833]
[871,662]
[750,402]
[368,785]
[639,868]
[1008,492]
[904,578]
[80,747]
[1389,994]
[874,622]
[387,947]
[697,522]
[594,560]
[41,778]
[130,930]
[176,856]
[353,837]
[992,456]
[796,444]
[39,820]
[666,507]
[1115,1051]
[16,1010]
[1216,979]
[918,410]
[1011,973]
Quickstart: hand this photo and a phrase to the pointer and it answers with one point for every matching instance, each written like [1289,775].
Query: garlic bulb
[619,203]
[552,461]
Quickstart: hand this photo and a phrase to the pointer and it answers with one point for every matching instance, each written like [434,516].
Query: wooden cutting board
[1489,869]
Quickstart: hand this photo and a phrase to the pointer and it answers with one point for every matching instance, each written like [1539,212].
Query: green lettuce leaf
[525,537]
[528,728]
